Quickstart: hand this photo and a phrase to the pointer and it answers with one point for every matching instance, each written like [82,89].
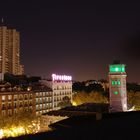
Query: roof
[41,88]
[113,126]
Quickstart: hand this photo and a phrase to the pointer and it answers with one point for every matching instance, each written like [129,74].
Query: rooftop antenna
[2,21]
[116,62]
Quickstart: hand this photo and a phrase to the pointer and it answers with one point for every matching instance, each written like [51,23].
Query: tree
[78,86]
[92,97]
[133,87]
[19,124]
[65,102]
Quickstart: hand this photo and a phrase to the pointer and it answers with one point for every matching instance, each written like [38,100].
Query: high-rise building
[10,51]
[117,88]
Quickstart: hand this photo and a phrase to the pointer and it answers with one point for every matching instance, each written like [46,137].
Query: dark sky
[78,38]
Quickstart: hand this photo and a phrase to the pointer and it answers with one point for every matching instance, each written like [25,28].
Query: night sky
[78,38]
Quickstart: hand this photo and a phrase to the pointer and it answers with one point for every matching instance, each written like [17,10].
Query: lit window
[40,105]
[37,100]
[116,69]
[119,82]
[116,82]
[3,98]
[116,92]
[123,69]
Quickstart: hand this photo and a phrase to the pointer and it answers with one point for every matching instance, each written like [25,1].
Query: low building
[39,98]
[16,101]
[61,86]
[43,99]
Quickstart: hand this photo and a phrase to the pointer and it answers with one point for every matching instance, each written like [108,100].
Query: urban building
[14,102]
[10,51]
[117,87]
[43,99]
[61,86]
[38,98]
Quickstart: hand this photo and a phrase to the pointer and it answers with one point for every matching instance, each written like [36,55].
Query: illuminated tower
[117,87]
[10,51]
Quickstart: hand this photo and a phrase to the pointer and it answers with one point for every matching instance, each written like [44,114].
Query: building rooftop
[41,87]
[113,126]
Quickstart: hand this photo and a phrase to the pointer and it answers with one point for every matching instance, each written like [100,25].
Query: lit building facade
[10,51]
[117,88]
[43,101]
[14,102]
[38,99]
[61,86]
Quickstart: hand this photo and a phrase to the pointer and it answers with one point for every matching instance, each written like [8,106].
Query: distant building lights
[61,77]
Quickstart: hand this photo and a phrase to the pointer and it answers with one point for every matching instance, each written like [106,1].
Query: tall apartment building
[10,51]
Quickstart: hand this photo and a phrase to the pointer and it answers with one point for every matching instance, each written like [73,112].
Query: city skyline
[78,38]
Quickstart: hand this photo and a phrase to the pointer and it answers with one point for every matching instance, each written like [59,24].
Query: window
[15,97]
[9,112]
[40,106]
[3,98]
[30,96]
[9,97]
[3,107]
[37,107]
[26,96]
[116,82]
[3,113]
[36,100]
[30,103]
[9,105]
[116,92]
[40,93]
[21,97]
[20,104]
[37,94]
[119,82]
[15,104]
[15,111]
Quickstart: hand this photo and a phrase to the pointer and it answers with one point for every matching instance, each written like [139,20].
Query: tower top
[117,68]
[116,62]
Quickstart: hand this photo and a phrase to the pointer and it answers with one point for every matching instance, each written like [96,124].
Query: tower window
[116,92]
[116,82]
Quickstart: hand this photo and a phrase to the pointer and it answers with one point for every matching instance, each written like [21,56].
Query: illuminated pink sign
[61,77]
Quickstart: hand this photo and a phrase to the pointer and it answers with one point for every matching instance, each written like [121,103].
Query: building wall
[43,102]
[37,101]
[13,102]
[118,101]
[60,90]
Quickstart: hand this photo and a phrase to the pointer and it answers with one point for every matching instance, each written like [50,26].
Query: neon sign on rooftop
[61,77]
